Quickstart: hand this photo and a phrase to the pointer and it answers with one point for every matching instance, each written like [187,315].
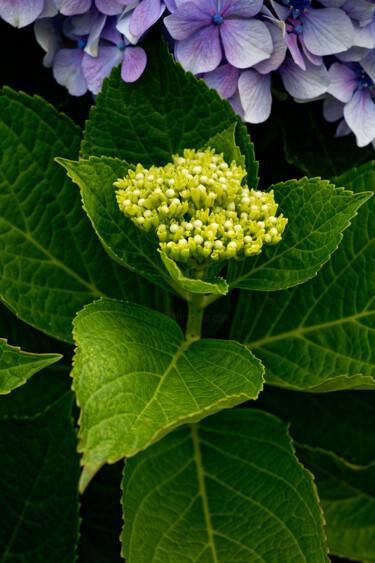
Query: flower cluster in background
[312,48]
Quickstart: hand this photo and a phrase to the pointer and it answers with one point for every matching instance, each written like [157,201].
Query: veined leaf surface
[137,379]
[51,263]
[232,490]
[317,214]
[320,337]
[16,366]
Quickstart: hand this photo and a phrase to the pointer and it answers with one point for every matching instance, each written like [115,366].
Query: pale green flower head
[199,210]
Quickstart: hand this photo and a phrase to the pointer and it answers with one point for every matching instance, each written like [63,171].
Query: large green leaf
[338,421]
[347,495]
[226,489]
[137,379]
[321,336]
[313,146]
[16,366]
[51,264]
[317,215]
[127,244]
[38,496]
[162,113]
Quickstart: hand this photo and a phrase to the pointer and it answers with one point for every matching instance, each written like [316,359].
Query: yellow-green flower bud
[199,210]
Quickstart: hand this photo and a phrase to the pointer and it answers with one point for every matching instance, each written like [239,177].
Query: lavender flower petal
[292,43]
[255,94]
[343,82]
[327,31]
[364,36]
[20,13]
[49,9]
[109,7]
[316,60]
[67,71]
[278,53]
[359,10]
[224,79]
[305,85]
[134,63]
[95,69]
[201,52]
[368,64]
[171,5]
[359,114]
[235,102]
[342,129]
[123,26]
[245,42]
[72,7]
[187,20]
[145,15]
[242,8]
[333,3]
[47,36]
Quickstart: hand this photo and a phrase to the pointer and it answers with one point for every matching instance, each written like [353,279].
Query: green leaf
[39,473]
[225,142]
[347,495]
[137,379]
[232,490]
[318,152]
[317,215]
[216,286]
[338,422]
[165,111]
[39,392]
[127,244]
[101,518]
[320,337]
[50,262]
[16,367]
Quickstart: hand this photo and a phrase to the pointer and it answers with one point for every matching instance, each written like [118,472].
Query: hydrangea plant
[206,314]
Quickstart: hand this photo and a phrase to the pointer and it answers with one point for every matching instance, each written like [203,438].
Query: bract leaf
[123,241]
[317,215]
[225,142]
[39,474]
[222,481]
[50,262]
[165,111]
[347,495]
[321,337]
[137,379]
[216,286]
[16,366]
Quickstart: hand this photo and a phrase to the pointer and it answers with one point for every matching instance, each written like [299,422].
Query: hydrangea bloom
[199,210]
[354,91]
[204,29]
[237,46]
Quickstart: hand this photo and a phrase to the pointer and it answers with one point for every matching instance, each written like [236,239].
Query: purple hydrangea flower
[20,13]
[115,49]
[323,31]
[205,29]
[354,91]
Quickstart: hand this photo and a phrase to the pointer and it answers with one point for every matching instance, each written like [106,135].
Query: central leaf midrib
[298,332]
[202,489]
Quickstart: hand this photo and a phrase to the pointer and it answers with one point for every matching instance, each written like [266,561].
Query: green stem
[195,318]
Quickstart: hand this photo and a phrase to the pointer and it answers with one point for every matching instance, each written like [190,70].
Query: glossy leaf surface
[137,379]
[226,489]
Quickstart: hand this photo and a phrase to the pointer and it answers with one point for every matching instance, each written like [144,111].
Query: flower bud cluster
[199,210]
